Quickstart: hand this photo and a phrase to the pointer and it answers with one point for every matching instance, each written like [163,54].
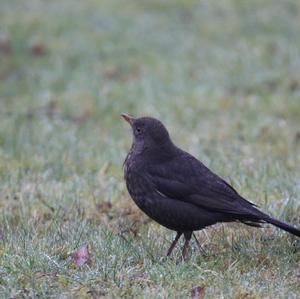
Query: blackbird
[177,190]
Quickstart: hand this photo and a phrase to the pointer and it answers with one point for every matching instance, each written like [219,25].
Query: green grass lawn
[224,76]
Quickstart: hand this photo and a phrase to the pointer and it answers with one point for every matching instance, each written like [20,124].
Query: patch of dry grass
[222,75]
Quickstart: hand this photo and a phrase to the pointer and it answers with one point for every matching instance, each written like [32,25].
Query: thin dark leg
[174,243]
[199,245]
[187,236]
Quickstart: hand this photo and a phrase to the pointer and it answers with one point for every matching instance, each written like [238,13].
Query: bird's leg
[187,236]
[199,245]
[174,243]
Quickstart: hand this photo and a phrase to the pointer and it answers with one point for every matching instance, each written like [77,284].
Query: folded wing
[187,179]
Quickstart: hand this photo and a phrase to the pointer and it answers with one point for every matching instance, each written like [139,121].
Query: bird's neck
[159,151]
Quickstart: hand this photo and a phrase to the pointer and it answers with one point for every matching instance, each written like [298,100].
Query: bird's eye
[138,130]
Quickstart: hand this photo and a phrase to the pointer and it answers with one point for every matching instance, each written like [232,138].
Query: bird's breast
[127,164]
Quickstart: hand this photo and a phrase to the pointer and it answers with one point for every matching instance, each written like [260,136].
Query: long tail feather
[285,226]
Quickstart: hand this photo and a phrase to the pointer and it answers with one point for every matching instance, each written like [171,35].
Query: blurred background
[224,77]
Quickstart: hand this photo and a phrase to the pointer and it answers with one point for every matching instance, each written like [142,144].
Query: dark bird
[177,190]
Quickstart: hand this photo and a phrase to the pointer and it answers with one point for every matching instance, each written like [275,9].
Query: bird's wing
[187,179]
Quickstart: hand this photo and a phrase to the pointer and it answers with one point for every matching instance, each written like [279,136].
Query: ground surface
[222,75]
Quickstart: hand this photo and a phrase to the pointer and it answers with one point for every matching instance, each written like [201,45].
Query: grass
[224,78]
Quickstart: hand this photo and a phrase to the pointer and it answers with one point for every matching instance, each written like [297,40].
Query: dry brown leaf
[5,47]
[81,256]
[37,50]
[198,292]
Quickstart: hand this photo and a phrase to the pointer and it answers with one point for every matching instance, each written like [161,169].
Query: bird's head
[148,132]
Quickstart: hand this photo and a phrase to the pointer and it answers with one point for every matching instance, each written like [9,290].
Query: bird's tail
[285,226]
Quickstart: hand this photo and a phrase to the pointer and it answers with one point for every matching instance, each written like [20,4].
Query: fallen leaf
[37,50]
[198,292]
[5,47]
[81,256]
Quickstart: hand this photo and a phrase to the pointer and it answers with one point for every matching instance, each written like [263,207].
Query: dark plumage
[177,190]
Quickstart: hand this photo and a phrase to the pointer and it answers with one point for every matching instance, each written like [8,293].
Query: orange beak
[130,119]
